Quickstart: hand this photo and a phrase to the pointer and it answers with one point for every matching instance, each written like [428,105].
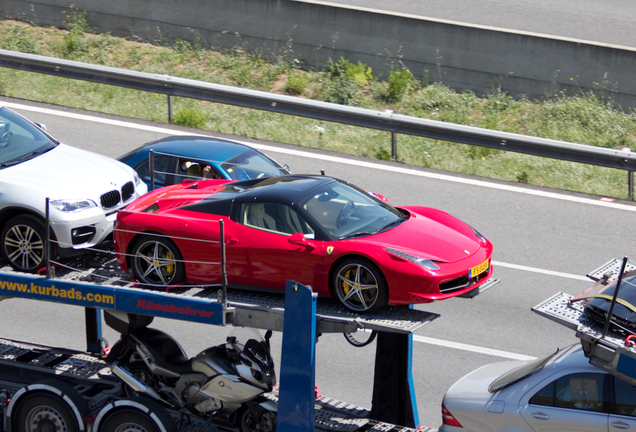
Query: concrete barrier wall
[462,57]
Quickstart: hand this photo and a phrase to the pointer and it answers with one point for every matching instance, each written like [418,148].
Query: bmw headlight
[424,262]
[137,179]
[72,205]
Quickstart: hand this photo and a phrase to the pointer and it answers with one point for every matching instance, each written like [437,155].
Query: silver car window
[580,391]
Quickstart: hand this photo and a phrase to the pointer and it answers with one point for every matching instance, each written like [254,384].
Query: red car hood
[432,234]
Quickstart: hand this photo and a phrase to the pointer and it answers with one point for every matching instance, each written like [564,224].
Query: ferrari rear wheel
[360,285]
[157,262]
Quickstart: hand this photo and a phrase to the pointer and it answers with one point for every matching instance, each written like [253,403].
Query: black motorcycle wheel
[141,373]
[263,421]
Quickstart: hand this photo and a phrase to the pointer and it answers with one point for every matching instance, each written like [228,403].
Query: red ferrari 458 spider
[322,232]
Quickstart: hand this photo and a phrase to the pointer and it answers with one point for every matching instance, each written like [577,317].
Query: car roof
[287,188]
[198,147]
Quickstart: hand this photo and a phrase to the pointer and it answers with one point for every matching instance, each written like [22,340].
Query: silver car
[85,191]
[559,392]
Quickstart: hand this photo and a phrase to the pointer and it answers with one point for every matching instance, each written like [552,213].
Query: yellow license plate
[478,269]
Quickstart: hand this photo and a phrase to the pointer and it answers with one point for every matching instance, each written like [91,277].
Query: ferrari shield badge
[329,250]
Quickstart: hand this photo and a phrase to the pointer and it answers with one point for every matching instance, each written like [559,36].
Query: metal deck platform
[605,349]
[256,309]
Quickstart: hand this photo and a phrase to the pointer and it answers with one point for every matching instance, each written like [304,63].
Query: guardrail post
[394,146]
[630,184]
[169,108]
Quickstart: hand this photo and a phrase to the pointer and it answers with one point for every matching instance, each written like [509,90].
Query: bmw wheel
[360,285]
[157,262]
[23,239]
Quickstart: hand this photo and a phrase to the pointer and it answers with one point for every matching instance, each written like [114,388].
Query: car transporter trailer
[77,388]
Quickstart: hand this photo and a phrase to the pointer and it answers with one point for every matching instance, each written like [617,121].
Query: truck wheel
[44,412]
[137,414]
[22,243]
[129,420]
[157,262]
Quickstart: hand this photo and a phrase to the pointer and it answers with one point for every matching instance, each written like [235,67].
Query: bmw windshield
[20,140]
[344,211]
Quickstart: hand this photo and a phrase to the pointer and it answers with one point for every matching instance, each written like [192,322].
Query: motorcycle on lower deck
[224,383]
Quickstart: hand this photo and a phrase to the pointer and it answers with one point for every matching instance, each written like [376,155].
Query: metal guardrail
[380,120]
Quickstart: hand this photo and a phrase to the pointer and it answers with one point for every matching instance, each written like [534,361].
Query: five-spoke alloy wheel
[157,262]
[360,285]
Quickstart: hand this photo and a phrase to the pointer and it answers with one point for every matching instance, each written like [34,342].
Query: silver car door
[570,403]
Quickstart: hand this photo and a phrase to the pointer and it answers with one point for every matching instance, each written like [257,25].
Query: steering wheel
[344,213]
[4,139]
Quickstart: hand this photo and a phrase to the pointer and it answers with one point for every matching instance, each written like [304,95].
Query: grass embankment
[577,118]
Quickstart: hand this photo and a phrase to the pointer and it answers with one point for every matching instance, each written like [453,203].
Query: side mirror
[300,240]
[379,196]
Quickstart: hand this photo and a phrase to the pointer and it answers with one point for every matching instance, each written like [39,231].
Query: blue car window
[163,169]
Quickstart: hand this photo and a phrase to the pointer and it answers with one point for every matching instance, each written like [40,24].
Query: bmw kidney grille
[113,198]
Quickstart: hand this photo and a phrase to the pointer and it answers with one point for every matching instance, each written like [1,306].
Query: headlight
[137,179]
[72,205]
[424,262]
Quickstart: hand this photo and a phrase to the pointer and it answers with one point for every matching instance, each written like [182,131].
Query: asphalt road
[545,241]
[590,20]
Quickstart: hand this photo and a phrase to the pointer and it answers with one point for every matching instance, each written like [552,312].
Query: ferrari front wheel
[360,285]
[157,262]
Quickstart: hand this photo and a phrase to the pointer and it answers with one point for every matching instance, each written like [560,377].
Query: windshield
[20,139]
[250,165]
[517,374]
[344,211]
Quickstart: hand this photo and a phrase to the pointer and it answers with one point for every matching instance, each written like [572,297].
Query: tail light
[448,419]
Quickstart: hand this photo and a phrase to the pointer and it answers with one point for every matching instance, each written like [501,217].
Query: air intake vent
[127,191]
[110,199]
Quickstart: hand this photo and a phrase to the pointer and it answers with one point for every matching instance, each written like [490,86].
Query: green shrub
[296,83]
[341,90]
[400,80]
[19,38]
[360,72]
[190,118]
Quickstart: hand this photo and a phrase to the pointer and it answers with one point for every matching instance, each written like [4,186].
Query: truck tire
[137,414]
[42,412]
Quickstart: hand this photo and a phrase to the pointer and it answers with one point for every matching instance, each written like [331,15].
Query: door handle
[540,416]
[619,424]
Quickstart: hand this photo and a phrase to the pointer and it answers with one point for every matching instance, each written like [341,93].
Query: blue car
[179,158]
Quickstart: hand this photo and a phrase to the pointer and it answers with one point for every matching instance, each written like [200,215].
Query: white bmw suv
[85,191]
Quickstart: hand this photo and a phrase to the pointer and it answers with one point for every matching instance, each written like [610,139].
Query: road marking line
[471,348]
[542,271]
[336,159]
